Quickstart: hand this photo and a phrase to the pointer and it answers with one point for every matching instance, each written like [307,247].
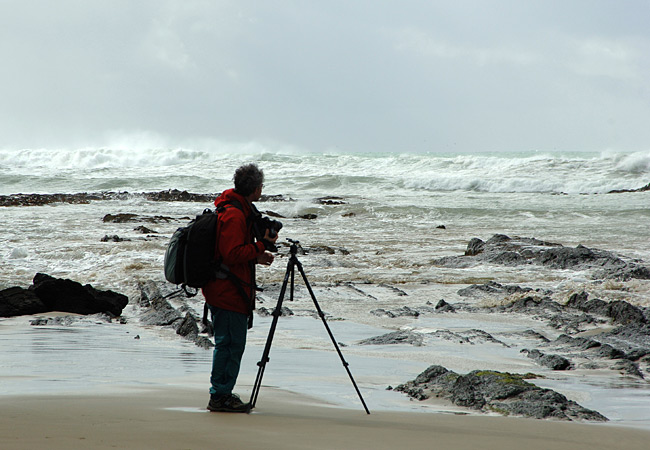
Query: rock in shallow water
[516,251]
[55,294]
[491,391]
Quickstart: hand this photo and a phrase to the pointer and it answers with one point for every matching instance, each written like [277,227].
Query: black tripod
[293,263]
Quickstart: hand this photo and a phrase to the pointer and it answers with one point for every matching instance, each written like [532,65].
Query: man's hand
[265,258]
[268,238]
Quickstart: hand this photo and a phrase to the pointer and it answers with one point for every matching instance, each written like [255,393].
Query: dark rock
[492,288]
[641,189]
[443,306]
[507,251]
[609,352]
[553,362]
[127,217]
[120,218]
[637,354]
[404,311]
[624,313]
[273,214]
[204,342]
[46,199]
[580,301]
[577,342]
[114,238]
[534,303]
[316,249]
[284,311]
[144,230]
[156,310]
[188,327]
[634,338]
[492,391]
[160,313]
[431,374]
[307,216]
[67,321]
[627,367]
[174,195]
[396,337]
[16,301]
[274,198]
[69,296]
[619,311]
[398,291]
[381,312]
[474,247]
[149,290]
[331,201]
[532,334]
[498,239]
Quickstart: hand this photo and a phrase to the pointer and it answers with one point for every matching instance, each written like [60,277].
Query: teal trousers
[229,341]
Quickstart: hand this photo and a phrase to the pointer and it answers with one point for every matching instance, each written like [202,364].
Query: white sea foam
[557,173]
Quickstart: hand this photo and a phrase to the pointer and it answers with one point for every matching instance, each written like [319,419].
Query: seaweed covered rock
[492,391]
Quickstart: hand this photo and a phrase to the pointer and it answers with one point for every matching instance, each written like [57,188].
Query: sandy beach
[175,418]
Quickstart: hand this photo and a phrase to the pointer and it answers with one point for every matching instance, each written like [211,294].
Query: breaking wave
[498,172]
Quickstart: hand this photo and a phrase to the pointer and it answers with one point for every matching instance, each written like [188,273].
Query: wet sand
[175,418]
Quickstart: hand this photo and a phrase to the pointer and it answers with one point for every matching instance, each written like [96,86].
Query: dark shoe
[228,403]
[216,402]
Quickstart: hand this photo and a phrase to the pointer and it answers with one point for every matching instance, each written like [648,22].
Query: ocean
[363,219]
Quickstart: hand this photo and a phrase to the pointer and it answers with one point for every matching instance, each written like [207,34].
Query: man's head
[248,179]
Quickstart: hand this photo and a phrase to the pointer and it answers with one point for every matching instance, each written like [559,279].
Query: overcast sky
[352,75]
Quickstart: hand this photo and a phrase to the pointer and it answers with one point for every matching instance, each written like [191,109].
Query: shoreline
[174,417]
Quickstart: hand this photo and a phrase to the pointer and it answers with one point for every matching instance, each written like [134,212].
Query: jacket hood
[229,195]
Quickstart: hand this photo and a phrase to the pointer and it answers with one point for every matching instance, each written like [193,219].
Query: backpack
[190,259]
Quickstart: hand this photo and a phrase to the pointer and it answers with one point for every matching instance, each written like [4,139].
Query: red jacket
[238,252]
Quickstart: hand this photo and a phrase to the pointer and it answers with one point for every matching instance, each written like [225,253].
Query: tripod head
[294,246]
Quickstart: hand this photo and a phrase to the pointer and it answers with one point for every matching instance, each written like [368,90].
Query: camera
[265,223]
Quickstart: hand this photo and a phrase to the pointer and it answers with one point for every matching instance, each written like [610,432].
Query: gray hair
[247,178]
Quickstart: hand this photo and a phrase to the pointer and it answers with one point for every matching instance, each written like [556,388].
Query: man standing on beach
[231,301]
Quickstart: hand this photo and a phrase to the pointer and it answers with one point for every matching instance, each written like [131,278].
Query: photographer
[231,300]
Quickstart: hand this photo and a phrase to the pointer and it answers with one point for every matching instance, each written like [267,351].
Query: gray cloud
[362,76]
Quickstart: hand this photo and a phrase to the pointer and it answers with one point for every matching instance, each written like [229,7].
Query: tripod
[291,265]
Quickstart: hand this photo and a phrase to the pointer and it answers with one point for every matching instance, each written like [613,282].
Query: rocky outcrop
[619,311]
[128,217]
[404,311]
[155,309]
[506,251]
[171,195]
[396,337]
[471,337]
[501,392]
[70,296]
[54,294]
[641,189]
[553,362]
[18,301]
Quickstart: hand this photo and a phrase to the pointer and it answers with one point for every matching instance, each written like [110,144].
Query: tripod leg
[267,348]
[336,346]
